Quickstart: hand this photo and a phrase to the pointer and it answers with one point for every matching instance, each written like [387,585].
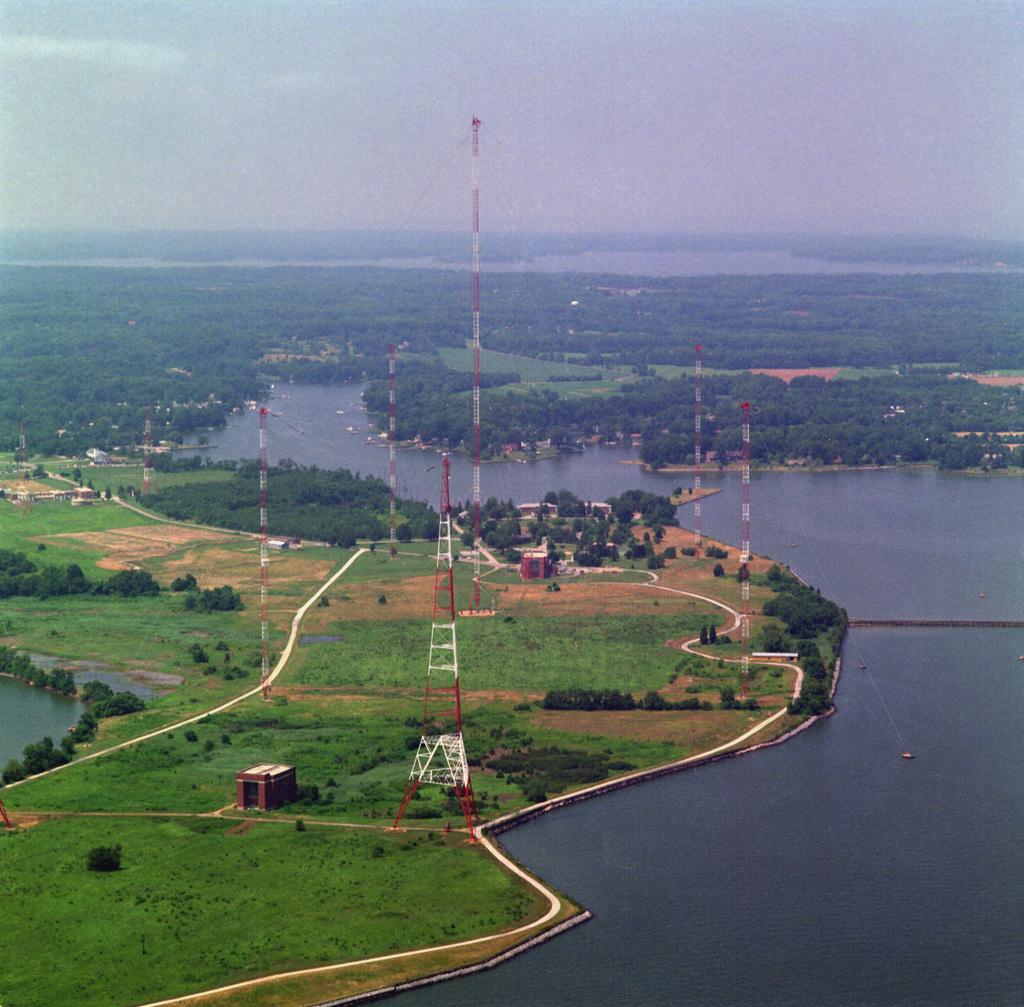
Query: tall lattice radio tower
[476,364]
[392,462]
[441,756]
[148,475]
[264,562]
[697,411]
[745,552]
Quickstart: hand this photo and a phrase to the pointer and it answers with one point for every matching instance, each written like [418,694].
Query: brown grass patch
[241,828]
[788,373]
[996,380]
[127,547]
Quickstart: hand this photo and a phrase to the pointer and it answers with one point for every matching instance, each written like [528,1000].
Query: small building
[98,456]
[535,565]
[265,787]
[774,655]
[278,543]
[82,496]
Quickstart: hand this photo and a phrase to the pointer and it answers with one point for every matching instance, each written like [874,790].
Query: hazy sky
[709,115]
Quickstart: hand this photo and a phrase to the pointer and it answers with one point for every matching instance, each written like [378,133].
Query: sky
[828,116]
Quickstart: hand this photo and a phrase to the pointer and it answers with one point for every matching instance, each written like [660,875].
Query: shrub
[718,570]
[104,858]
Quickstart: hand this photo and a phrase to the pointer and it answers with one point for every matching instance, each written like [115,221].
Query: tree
[719,570]
[104,858]
[712,634]
[703,634]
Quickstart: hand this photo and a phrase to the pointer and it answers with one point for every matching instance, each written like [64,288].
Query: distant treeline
[20,577]
[86,350]
[311,503]
[909,417]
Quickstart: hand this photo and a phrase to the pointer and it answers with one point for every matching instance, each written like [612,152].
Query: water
[827,870]
[680,262]
[28,714]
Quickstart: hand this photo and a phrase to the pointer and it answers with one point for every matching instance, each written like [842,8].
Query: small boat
[907,755]
[981,594]
[862,666]
[340,412]
[792,545]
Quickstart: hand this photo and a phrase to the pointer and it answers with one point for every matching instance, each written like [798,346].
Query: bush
[130,584]
[104,858]
[186,583]
[713,552]
[718,570]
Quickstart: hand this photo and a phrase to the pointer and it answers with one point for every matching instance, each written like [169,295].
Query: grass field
[529,368]
[114,478]
[268,897]
[221,899]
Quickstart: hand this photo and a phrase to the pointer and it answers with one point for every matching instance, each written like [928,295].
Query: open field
[529,369]
[269,898]
[118,477]
[346,713]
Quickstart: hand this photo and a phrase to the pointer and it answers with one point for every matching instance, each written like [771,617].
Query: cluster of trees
[542,771]
[334,506]
[21,666]
[214,599]
[19,576]
[808,617]
[612,699]
[105,702]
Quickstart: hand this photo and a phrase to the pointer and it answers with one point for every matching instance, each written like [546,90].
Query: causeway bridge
[957,623]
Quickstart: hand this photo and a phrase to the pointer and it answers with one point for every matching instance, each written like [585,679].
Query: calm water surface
[827,870]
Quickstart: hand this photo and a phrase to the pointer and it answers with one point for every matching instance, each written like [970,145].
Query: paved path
[278,668]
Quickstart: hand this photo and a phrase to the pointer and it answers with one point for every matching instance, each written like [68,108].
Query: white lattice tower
[697,411]
[148,481]
[745,552]
[441,755]
[476,363]
[264,562]
[392,461]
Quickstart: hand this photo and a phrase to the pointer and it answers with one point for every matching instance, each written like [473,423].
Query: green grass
[599,652]
[529,368]
[270,899]
[113,478]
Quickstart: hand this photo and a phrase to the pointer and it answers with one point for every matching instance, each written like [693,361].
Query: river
[826,870]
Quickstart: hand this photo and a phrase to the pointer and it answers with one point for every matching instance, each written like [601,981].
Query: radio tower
[441,757]
[476,364]
[392,468]
[264,562]
[22,452]
[148,482]
[26,495]
[697,407]
[3,815]
[745,552]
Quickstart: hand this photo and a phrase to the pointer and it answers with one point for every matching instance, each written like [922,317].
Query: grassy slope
[269,898]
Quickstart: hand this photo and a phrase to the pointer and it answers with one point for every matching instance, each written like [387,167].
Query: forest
[85,350]
[336,507]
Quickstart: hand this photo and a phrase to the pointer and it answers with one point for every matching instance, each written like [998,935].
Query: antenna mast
[148,482]
[441,757]
[744,572]
[697,409]
[392,466]
[264,562]
[476,364]
[22,466]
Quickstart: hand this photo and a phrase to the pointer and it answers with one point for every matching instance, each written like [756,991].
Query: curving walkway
[278,668]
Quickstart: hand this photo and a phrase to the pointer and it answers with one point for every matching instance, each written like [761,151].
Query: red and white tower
[3,815]
[441,756]
[476,364]
[264,561]
[148,480]
[697,411]
[745,552]
[392,465]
